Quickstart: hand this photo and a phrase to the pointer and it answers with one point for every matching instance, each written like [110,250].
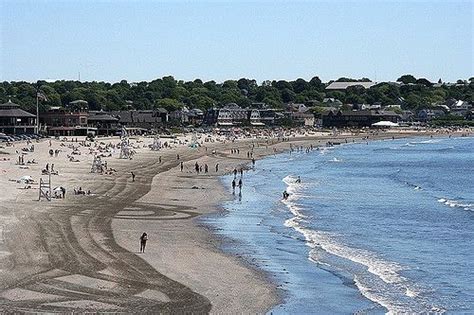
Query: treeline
[173,94]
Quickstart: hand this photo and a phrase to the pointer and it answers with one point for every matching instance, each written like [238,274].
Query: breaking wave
[377,279]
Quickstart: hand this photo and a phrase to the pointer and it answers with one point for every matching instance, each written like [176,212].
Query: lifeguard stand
[156,146]
[125,152]
[45,188]
[97,165]
[194,142]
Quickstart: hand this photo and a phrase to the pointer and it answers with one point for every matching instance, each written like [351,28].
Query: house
[358,119]
[60,121]
[14,120]
[407,115]
[460,108]
[296,107]
[335,86]
[425,115]
[332,102]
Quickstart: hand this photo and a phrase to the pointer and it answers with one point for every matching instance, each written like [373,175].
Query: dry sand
[81,253]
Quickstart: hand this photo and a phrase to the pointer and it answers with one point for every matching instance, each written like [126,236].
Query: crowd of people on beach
[83,150]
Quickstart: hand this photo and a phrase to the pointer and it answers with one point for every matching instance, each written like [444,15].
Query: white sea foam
[386,271]
[411,293]
[426,141]
[457,204]
[335,160]
[325,150]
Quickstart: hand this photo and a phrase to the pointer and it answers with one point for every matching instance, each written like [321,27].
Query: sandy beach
[81,253]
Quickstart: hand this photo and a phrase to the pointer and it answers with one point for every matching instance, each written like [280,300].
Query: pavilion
[14,120]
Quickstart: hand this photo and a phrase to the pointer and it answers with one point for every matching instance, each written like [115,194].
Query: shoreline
[349,282]
[227,241]
[186,254]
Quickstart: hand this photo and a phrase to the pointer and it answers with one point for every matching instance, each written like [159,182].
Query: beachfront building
[225,117]
[303,118]
[14,120]
[255,118]
[300,114]
[270,116]
[358,119]
[105,123]
[140,121]
[187,116]
[60,121]
[232,115]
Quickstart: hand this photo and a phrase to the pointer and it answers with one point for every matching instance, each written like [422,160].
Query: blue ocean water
[371,228]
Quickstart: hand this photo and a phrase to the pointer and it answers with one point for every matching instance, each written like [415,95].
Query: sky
[222,40]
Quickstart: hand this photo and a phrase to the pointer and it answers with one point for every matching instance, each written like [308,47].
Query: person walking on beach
[159,159]
[133,176]
[206,168]
[235,172]
[217,167]
[233,186]
[253,162]
[240,185]
[181,166]
[143,240]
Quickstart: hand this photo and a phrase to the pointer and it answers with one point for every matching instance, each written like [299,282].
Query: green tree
[169,104]
[406,79]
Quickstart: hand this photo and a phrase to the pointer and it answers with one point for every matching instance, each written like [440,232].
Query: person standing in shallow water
[143,240]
